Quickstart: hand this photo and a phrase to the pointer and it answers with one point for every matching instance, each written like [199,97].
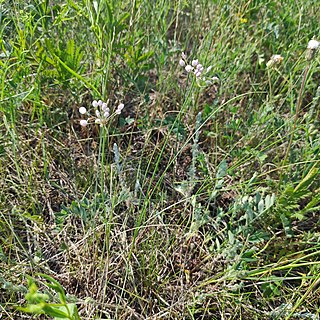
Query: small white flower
[189,68]
[83,123]
[82,110]
[277,58]
[100,102]
[313,44]
[199,67]
[98,113]
[182,63]
[95,103]
[97,121]
[118,111]
[120,106]
[184,57]
[106,114]
[209,69]
[197,74]
[104,107]
[195,62]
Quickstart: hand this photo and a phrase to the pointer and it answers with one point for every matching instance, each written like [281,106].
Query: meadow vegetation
[198,198]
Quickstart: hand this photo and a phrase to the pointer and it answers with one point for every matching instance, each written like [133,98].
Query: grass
[198,201]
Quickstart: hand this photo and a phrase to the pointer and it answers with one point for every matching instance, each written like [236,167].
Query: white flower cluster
[101,113]
[313,44]
[275,59]
[197,69]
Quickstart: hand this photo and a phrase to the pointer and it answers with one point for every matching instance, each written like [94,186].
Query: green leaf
[55,312]
[222,169]
[71,309]
[56,286]
[261,205]
[307,180]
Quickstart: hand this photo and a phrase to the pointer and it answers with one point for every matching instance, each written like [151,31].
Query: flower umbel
[199,71]
[275,59]
[101,113]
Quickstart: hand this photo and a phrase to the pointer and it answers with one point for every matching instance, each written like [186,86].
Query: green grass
[197,202]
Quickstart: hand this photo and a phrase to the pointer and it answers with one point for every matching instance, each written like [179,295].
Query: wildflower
[313,45]
[83,123]
[101,113]
[275,59]
[189,68]
[199,71]
[199,67]
[104,107]
[195,62]
[119,109]
[82,110]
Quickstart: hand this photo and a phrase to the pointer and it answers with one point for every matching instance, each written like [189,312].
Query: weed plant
[196,196]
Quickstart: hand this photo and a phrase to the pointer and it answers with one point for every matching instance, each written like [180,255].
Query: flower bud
[182,63]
